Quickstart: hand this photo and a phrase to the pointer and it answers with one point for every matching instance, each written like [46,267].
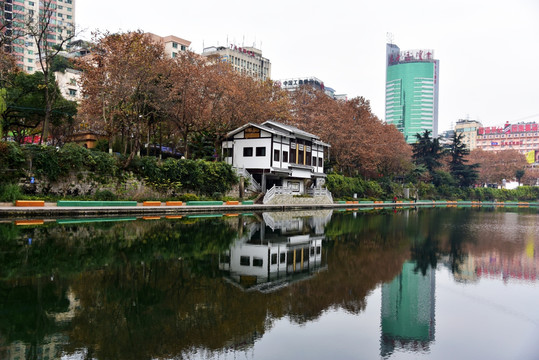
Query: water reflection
[408,304]
[277,251]
[207,287]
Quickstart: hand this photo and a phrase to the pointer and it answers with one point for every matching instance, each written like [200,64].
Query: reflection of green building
[408,311]
[412,91]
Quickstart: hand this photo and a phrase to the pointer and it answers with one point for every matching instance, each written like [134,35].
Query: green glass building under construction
[412,91]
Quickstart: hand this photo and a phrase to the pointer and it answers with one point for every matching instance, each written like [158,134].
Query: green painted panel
[248,202]
[200,203]
[96,220]
[95,203]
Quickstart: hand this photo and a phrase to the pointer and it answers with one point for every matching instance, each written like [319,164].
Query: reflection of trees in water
[152,289]
[26,307]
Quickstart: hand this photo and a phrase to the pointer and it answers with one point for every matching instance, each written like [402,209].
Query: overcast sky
[488,49]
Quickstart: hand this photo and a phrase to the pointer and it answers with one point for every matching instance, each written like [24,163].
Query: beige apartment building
[173,44]
[468,129]
[16,13]
[245,60]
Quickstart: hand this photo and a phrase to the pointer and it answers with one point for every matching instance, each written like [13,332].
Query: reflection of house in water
[279,250]
[408,311]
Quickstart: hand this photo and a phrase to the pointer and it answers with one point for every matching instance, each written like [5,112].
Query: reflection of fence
[281,190]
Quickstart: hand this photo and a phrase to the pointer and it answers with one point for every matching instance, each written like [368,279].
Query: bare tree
[50,37]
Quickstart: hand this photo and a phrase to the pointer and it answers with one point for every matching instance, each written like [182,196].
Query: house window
[247,151]
[293,156]
[175,45]
[228,152]
[285,156]
[282,258]
[258,262]
[314,160]
[320,162]
[72,92]
[245,260]
[276,155]
[273,259]
[261,151]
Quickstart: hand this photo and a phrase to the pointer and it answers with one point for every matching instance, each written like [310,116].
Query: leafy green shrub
[11,161]
[189,197]
[10,192]
[45,161]
[105,195]
[342,186]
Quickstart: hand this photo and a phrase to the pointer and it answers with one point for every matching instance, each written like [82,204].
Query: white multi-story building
[15,17]
[245,60]
[276,154]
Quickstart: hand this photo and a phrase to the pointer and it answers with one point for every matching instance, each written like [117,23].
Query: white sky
[488,49]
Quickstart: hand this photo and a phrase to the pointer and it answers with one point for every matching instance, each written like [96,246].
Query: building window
[314,160]
[245,260]
[320,162]
[183,48]
[258,262]
[282,258]
[247,151]
[273,259]
[260,151]
[285,156]
[228,152]
[72,92]
[174,55]
[175,45]
[276,155]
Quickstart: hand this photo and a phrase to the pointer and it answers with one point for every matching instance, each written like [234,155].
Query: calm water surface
[407,284]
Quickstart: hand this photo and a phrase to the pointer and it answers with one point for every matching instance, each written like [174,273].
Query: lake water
[455,283]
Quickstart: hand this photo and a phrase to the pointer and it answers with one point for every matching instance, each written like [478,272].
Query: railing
[269,195]
[253,184]
[280,190]
[320,192]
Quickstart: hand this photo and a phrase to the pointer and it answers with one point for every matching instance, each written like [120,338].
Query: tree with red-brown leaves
[497,165]
[122,86]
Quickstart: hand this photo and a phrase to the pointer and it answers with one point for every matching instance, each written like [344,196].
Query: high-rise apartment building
[245,60]
[16,16]
[412,91]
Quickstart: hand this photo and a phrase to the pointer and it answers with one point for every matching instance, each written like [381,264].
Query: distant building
[69,83]
[412,78]
[15,14]
[523,137]
[245,60]
[468,130]
[293,84]
[446,138]
[173,45]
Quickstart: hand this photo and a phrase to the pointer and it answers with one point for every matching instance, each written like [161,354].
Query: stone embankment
[92,208]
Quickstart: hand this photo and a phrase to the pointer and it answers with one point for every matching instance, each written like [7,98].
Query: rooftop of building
[169,38]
